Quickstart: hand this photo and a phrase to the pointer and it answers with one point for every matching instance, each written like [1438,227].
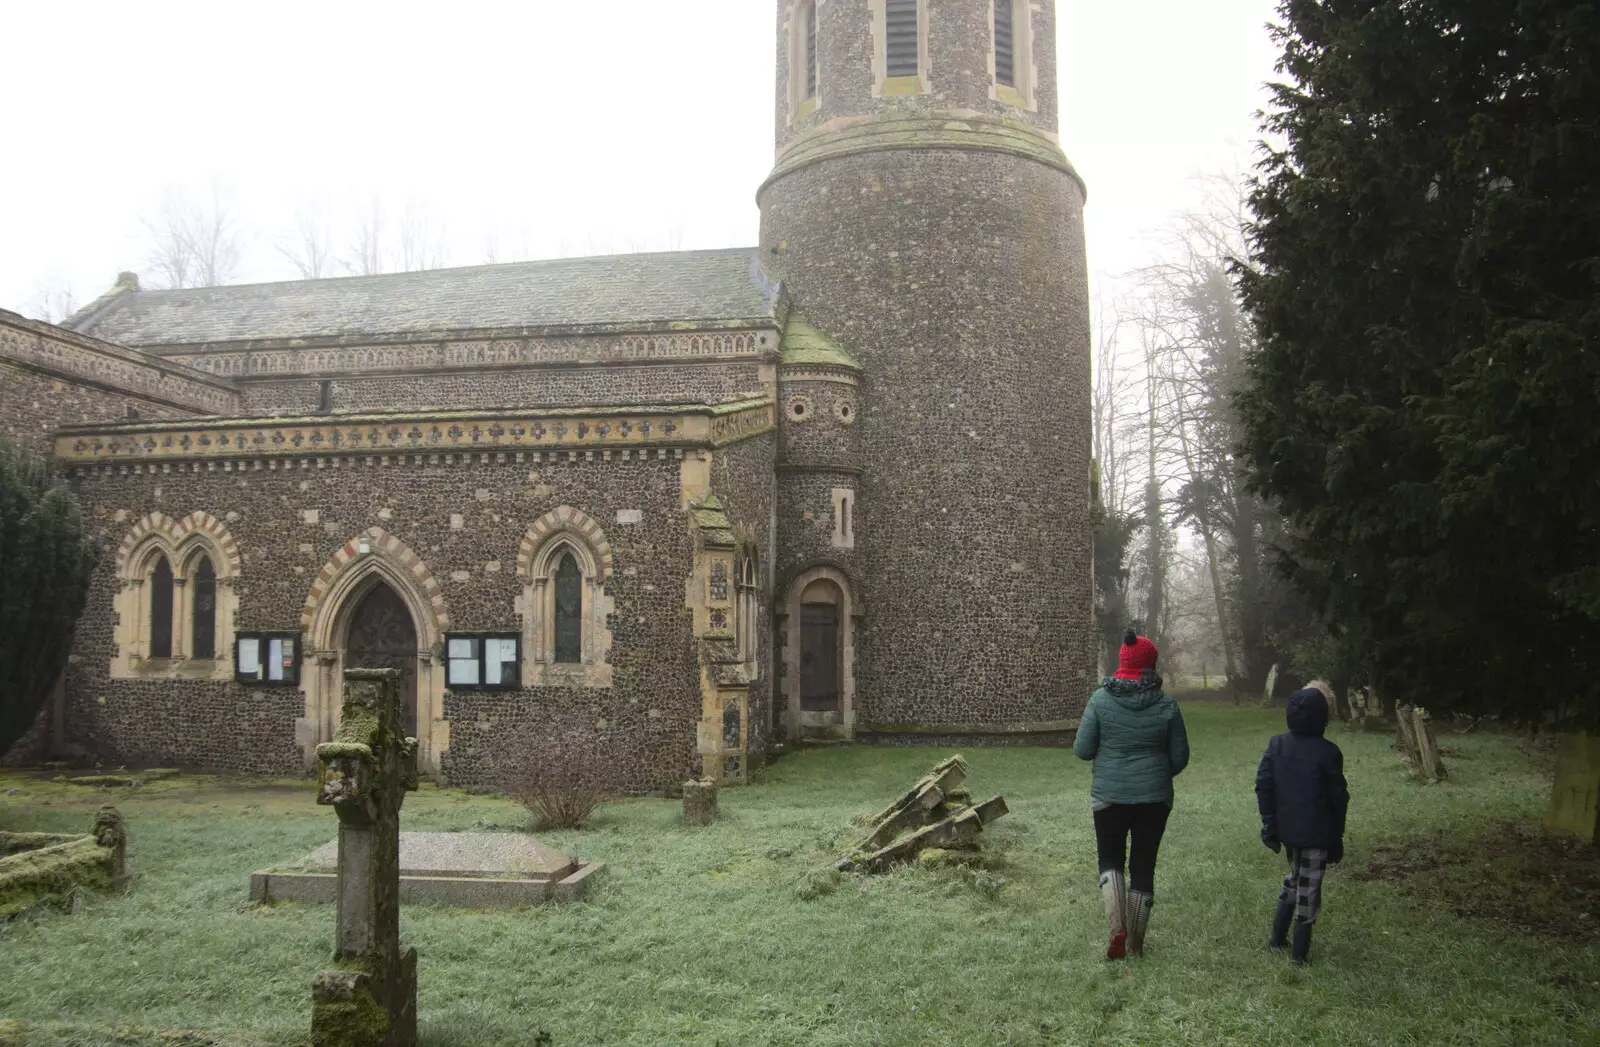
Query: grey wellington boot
[1112,892]
[1280,925]
[1300,955]
[1139,903]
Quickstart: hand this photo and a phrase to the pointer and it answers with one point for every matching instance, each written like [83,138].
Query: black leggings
[1147,822]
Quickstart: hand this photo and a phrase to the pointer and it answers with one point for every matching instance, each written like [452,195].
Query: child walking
[1303,797]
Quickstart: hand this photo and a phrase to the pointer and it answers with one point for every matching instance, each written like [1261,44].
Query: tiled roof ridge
[352,278]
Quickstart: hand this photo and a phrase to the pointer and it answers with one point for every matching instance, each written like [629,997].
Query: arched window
[564,563]
[569,611]
[747,608]
[176,603]
[161,609]
[203,610]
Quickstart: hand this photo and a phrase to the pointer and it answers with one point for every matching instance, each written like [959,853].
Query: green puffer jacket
[1134,733]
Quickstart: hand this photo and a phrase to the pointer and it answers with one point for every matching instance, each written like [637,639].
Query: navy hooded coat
[1300,784]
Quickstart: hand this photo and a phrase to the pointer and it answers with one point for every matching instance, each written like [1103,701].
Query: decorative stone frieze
[432,432]
[474,354]
[74,356]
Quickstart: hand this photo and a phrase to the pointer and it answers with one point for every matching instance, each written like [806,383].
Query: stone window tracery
[565,567]
[176,602]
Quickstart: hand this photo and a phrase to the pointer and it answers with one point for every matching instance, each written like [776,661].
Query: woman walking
[1134,733]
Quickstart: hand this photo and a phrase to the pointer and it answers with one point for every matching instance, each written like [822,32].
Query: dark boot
[1280,925]
[1302,943]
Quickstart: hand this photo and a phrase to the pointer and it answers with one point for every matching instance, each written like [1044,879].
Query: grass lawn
[728,936]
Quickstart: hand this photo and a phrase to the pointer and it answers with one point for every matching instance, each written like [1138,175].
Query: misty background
[480,132]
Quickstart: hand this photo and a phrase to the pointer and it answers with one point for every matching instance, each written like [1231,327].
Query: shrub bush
[562,788]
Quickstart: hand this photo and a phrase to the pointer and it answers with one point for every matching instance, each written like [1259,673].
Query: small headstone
[370,998]
[699,802]
[1575,798]
[936,814]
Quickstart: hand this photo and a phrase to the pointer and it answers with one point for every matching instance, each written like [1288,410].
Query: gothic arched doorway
[383,636]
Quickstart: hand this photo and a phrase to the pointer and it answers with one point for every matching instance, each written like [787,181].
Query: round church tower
[926,224]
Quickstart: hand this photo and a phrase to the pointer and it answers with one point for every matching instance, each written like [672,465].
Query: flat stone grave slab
[467,870]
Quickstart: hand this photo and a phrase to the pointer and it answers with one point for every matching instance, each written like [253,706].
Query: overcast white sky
[535,128]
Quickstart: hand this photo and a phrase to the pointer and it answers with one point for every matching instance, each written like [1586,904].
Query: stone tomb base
[468,870]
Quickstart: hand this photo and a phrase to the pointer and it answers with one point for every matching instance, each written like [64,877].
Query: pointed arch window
[176,601]
[203,607]
[568,611]
[564,563]
[161,609]
[747,608]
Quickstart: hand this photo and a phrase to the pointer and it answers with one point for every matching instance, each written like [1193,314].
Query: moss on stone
[804,343]
[50,874]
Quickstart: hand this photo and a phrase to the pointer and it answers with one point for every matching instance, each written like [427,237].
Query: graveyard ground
[1453,921]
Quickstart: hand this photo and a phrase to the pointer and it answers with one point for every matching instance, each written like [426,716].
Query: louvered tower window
[900,23]
[811,50]
[1005,50]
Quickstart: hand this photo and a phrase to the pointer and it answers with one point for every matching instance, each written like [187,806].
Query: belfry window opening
[1005,63]
[900,38]
[810,45]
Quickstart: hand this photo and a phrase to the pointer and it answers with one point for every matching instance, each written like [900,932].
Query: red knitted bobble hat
[1136,657]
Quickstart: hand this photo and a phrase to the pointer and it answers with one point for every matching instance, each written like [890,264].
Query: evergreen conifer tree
[1424,405]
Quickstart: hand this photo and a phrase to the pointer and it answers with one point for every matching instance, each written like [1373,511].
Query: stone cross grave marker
[370,998]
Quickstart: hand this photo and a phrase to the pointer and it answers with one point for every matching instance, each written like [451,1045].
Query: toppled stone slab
[465,870]
[101,781]
[47,868]
[935,814]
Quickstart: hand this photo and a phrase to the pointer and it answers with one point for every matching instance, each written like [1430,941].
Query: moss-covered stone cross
[370,998]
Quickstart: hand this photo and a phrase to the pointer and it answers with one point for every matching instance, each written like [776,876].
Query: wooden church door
[382,636]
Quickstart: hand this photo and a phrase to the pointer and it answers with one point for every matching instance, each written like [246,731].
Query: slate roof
[608,290]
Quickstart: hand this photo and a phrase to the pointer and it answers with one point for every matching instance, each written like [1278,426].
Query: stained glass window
[161,610]
[569,611]
[204,611]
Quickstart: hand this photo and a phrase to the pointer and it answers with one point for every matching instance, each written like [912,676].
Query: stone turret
[922,215]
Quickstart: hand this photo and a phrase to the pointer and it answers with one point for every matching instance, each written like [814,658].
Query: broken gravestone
[370,998]
[935,814]
[1416,741]
[49,868]
[699,802]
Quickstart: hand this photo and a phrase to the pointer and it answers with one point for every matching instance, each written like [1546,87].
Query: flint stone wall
[643,726]
[974,426]
[959,44]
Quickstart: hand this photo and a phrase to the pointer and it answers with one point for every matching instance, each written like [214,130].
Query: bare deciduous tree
[309,245]
[194,238]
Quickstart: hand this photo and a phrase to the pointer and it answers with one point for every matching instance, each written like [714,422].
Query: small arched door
[821,664]
[383,636]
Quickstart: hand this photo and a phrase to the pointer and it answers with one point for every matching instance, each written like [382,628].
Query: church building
[658,511]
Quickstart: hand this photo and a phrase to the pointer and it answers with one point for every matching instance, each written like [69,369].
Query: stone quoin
[653,511]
